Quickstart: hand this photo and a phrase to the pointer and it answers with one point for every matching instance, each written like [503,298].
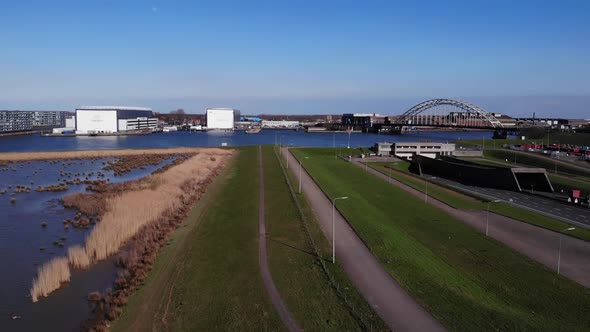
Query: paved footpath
[273,293]
[539,244]
[389,300]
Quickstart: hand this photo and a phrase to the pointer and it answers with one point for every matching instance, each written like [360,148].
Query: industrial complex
[112,119]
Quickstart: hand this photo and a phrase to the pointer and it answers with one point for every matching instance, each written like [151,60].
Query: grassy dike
[467,281]
[532,160]
[460,201]
[207,278]
[298,275]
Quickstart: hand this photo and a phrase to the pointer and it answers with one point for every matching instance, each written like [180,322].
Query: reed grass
[130,211]
[6,157]
[78,257]
[49,277]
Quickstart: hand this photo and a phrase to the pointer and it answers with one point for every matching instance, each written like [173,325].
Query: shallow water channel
[25,244]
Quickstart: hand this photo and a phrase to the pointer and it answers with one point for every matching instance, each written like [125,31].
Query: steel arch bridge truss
[448,113]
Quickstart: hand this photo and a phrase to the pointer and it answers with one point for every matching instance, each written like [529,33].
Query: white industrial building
[113,119]
[279,124]
[220,118]
[409,149]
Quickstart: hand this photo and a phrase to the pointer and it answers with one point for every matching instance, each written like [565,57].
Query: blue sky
[296,56]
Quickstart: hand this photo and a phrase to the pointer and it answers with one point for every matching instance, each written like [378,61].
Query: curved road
[273,293]
[389,300]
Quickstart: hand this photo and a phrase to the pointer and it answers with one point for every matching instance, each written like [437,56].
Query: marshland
[59,251]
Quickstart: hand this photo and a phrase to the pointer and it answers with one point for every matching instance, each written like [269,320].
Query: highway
[575,215]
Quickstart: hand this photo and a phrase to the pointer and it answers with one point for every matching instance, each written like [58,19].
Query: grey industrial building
[15,121]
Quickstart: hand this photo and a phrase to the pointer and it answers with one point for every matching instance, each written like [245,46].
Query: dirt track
[273,293]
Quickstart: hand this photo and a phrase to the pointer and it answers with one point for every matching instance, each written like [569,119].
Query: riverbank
[84,154]
[137,215]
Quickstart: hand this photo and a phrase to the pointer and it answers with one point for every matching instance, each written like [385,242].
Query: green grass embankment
[208,278]
[295,268]
[549,138]
[559,182]
[529,159]
[460,201]
[466,280]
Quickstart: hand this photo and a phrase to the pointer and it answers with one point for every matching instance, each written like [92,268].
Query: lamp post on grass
[426,191]
[300,162]
[559,252]
[348,146]
[488,215]
[334,229]
[389,177]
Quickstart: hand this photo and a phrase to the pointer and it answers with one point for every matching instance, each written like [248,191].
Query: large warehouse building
[113,119]
[220,118]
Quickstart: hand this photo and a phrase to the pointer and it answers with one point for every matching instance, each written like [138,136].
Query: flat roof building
[408,150]
[220,118]
[113,119]
[279,124]
[13,121]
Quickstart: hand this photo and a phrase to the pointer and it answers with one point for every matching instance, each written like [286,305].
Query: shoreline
[80,154]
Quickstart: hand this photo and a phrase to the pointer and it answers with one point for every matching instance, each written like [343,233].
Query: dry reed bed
[50,277]
[7,157]
[126,164]
[151,201]
[138,260]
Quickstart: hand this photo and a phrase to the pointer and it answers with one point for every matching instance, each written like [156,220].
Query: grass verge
[296,269]
[458,200]
[467,281]
[531,160]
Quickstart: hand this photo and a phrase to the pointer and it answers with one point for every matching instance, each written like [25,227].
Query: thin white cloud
[154,9]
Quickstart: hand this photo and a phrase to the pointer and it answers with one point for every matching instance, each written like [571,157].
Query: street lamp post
[300,162]
[349,139]
[426,191]
[488,215]
[559,252]
[334,229]
[389,178]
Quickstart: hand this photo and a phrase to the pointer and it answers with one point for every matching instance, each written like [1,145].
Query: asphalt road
[389,300]
[539,244]
[575,215]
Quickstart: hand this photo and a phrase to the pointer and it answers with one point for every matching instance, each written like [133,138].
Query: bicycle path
[389,300]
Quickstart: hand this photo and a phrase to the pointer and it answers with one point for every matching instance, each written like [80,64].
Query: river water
[210,139]
[22,236]
[25,244]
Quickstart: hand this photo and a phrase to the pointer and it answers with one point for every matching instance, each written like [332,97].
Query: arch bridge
[448,113]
